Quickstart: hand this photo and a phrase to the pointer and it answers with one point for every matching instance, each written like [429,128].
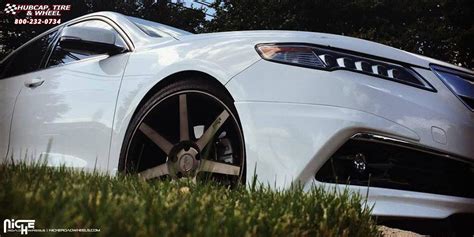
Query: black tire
[191,86]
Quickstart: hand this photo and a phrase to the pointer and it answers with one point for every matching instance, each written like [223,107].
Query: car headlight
[332,59]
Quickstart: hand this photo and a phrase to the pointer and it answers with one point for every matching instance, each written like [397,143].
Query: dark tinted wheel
[188,129]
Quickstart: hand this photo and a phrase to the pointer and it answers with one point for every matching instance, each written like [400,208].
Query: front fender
[146,68]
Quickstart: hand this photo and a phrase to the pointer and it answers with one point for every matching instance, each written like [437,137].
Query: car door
[67,120]
[16,70]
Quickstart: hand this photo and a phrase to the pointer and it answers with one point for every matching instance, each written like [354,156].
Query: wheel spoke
[160,141]
[220,168]
[211,131]
[183,118]
[155,172]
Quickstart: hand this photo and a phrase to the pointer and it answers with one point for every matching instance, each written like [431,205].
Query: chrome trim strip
[409,145]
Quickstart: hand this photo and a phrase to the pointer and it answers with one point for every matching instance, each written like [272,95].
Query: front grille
[366,162]
[460,83]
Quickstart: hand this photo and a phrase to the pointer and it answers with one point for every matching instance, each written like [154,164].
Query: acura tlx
[121,94]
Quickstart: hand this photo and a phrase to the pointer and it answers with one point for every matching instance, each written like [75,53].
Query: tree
[442,29]
[13,36]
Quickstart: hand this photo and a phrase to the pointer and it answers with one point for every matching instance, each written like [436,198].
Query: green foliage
[13,36]
[443,29]
[128,206]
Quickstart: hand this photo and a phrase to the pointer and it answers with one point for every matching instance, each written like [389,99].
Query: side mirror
[90,39]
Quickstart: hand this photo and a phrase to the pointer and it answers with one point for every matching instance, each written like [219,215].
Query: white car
[115,93]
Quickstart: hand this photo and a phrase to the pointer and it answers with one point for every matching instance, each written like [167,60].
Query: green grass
[128,206]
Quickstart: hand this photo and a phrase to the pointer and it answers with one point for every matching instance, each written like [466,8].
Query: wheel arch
[181,75]
[161,83]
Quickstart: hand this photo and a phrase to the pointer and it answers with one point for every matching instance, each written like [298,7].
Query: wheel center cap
[186,162]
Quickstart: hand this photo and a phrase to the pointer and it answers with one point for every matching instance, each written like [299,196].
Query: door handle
[35,82]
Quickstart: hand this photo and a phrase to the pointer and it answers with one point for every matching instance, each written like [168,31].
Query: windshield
[154,29]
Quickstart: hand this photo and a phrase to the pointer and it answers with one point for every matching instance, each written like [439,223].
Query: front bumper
[295,118]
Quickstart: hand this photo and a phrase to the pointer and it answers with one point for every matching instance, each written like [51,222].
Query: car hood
[329,40]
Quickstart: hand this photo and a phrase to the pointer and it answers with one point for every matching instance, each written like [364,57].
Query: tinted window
[28,58]
[2,67]
[61,56]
